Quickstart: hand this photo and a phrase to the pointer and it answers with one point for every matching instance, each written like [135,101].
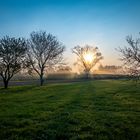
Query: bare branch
[43,50]
[12,57]
[131,57]
[82,52]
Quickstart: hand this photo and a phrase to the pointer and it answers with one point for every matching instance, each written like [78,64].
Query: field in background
[19,80]
[100,110]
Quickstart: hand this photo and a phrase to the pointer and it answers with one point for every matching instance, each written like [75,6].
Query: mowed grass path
[98,110]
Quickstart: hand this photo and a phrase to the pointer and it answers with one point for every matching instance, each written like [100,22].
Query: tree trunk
[41,80]
[6,84]
[87,75]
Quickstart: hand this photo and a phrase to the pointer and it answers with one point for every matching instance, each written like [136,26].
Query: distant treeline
[63,76]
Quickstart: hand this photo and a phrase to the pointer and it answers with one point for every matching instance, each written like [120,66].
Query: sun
[88,57]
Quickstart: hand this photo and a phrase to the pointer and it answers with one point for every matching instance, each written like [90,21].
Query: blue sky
[103,23]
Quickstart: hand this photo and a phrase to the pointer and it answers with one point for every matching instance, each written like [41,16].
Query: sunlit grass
[88,110]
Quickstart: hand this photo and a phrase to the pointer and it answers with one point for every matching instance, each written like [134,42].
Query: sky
[102,23]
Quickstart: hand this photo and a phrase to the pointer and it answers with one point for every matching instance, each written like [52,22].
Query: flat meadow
[98,109]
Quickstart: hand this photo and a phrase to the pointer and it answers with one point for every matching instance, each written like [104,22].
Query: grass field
[97,110]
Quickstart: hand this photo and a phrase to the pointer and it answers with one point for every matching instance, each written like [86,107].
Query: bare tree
[12,57]
[44,50]
[88,57]
[131,57]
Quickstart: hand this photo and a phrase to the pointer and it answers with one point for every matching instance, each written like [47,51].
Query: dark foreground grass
[98,110]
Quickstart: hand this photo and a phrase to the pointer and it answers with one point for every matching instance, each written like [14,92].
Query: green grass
[97,110]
